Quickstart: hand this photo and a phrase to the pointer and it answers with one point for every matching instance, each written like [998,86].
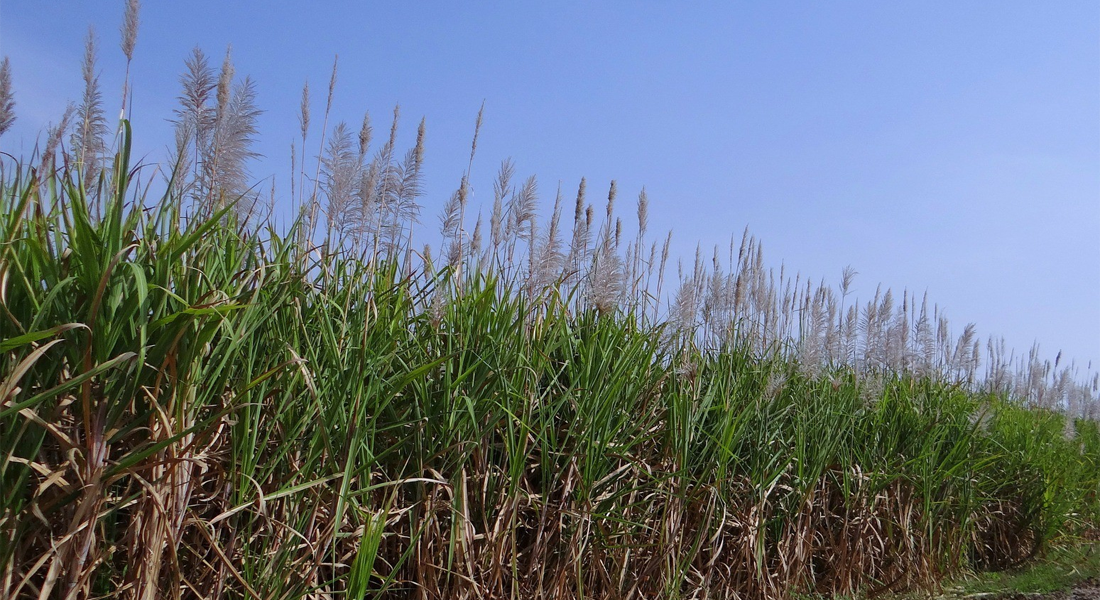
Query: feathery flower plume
[502,188]
[303,114]
[605,285]
[53,137]
[409,184]
[661,269]
[611,193]
[377,189]
[402,187]
[332,84]
[212,150]
[225,81]
[198,82]
[532,261]
[449,218]
[418,149]
[392,142]
[7,97]
[426,256]
[643,224]
[194,119]
[521,208]
[846,278]
[129,29]
[576,245]
[235,135]
[475,239]
[340,171]
[550,255]
[87,141]
[314,204]
[464,188]
[477,131]
[365,133]
[303,125]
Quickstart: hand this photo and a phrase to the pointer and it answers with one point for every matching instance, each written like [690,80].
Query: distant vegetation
[195,403]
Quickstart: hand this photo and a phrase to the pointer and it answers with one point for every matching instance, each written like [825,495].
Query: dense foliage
[196,408]
[195,403]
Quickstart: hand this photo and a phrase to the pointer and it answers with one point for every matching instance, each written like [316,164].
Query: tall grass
[192,408]
[196,404]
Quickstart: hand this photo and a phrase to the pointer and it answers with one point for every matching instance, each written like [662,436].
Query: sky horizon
[950,148]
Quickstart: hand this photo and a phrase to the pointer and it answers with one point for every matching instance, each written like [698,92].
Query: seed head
[303,116]
[365,134]
[7,97]
[225,81]
[130,24]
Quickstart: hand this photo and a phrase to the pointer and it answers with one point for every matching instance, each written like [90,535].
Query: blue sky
[952,147]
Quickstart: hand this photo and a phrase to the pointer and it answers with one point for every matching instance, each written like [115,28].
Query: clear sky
[952,147]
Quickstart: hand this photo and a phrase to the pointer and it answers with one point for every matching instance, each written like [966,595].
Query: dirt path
[1088,589]
[1089,592]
